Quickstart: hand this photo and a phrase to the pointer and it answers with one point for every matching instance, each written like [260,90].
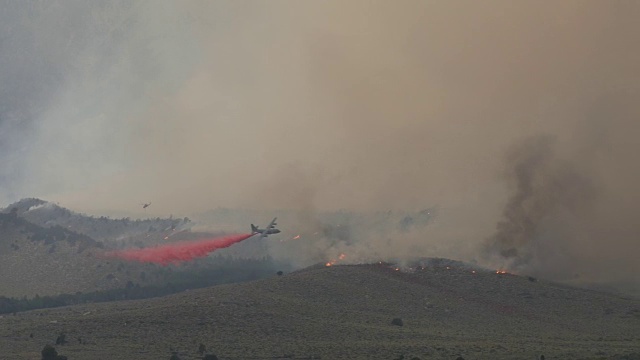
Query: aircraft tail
[254,229]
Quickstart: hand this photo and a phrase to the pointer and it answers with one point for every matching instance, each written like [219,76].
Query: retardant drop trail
[178,252]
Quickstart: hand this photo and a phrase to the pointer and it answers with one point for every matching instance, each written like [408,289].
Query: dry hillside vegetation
[346,312]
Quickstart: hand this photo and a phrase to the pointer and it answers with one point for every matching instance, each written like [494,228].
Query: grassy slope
[344,312]
[36,260]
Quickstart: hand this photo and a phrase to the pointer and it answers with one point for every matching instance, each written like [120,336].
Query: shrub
[62,339]
[210,357]
[397,322]
[49,353]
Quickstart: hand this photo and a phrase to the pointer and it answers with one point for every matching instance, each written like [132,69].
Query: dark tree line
[233,271]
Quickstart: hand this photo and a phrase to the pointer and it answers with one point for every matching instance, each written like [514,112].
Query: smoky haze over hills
[518,120]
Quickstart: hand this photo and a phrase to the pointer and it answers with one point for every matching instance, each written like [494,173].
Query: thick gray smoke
[549,197]
[322,105]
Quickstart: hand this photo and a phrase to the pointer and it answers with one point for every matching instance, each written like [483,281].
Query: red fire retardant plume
[178,252]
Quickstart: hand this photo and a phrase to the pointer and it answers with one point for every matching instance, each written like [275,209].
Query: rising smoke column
[178,252]
[549,197]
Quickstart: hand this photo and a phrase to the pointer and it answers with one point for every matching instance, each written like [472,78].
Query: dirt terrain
[447,310]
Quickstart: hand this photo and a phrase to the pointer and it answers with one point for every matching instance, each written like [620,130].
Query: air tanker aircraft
[269,230]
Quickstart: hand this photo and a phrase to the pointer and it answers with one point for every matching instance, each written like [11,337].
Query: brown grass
[344,312]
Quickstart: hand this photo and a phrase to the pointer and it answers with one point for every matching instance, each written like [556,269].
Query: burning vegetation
[341,257]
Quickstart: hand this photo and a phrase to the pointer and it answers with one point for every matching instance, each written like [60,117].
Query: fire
[501,271]
[293,238]
[342,256]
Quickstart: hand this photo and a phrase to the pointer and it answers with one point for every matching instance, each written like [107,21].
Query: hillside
[53,260]
[346,312]
[115,231]
[36,260]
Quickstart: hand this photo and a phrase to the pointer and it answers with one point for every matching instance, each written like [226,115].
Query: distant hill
[38,260]
[50,260]
[436,309]
[114,231]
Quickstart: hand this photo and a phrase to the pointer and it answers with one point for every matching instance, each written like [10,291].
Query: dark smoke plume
[549,195]
[361,105]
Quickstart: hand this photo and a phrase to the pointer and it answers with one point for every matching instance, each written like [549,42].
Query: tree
[202,349]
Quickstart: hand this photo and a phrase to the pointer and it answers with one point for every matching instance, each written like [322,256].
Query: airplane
[144,206]
[269,230]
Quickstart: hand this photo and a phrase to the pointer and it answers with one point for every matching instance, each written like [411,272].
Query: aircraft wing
[271,225]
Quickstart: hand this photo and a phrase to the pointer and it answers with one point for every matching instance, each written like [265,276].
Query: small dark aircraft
[144,206]
[269,230]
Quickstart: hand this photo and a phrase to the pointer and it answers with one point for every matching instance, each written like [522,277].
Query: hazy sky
[325,105]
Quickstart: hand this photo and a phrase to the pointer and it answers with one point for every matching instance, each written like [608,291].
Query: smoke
[365,106]
[179,251]
[567,216]
[548,196]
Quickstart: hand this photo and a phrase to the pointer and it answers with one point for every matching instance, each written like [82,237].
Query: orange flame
[501,271]
[296,237]
[342,256]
